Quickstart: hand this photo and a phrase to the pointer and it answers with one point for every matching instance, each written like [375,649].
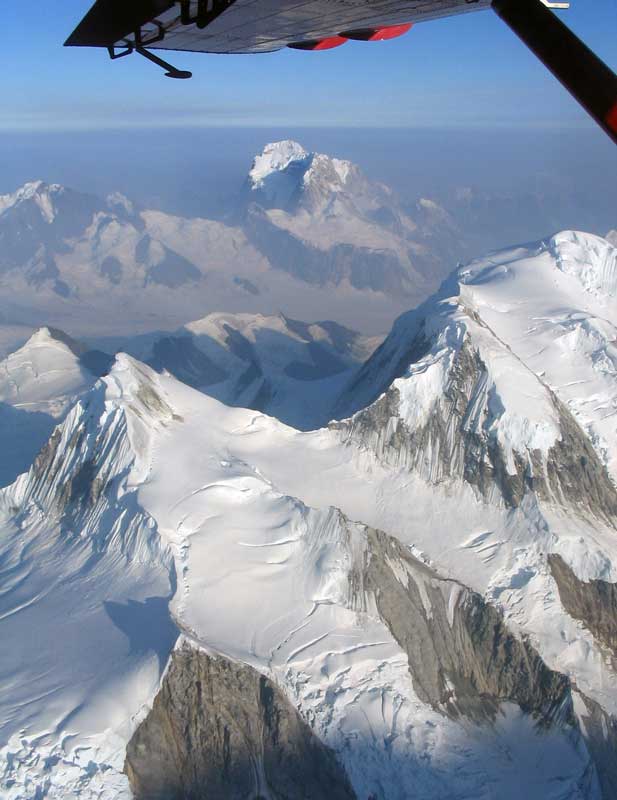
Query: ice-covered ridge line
[275,157]
[106,435]
[285,168]
[320,162]
[38,191]
[136,389]
[328,632]
[554,306]
[590,259]
[87,572]
[283,584]
[475,383]
[45,369]
[248,324]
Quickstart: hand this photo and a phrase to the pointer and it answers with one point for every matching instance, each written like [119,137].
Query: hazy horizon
[199,171]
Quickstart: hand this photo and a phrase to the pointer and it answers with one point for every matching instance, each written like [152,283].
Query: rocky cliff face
[462,658]
[594,603]
[223,731]
[458,439]
[464,661]
[362,267]
[600,731]
[220,729]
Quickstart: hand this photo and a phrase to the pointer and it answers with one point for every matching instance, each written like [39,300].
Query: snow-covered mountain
[39,383]
[417,600]
[286,368]
[311,234]
[546,313]
[320,219]
[72,244]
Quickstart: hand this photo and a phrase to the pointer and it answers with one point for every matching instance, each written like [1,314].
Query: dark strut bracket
[139,46]
[207,11]
[582,73]
[170,70]
[120,54]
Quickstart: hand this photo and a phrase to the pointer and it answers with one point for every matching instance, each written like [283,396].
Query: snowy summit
[275,157]
[415,600]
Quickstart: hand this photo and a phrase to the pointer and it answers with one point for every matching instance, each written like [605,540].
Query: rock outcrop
[463,659]
[457,441]
[594,603]
[222,731]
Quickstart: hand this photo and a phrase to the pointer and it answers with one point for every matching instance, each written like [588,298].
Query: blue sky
[469,71]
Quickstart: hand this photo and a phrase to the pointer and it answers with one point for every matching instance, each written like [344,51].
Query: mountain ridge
[427,582]
[331,234]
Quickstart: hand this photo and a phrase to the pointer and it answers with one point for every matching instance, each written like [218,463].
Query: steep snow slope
[551,310]
[473,455]
[146,470]
[555,306]
[38,385]
[85,584]
[362,567]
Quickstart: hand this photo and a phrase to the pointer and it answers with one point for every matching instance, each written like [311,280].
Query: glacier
[407,578]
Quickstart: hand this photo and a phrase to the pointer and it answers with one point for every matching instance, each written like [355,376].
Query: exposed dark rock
[600,731]
[47,456]
[575,475]
[447,447]
[594,603]
[83,488]
[378,373]
[364,268]
[183,359]
[221,731]
[444,447]
[111,268]
[247,285]
[171,270]
[462,658]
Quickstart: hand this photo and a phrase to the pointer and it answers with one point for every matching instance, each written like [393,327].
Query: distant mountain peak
[275,157]
[119,202]
[48,335]
[285,173]
[41,193]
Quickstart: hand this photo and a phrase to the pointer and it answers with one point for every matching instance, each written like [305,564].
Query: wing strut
[170,70]
[582,73]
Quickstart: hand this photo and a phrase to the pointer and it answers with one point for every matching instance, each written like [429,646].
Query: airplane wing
[262,26]
[250,26]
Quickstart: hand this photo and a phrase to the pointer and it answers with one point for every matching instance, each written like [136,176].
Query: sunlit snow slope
[429,580]
[38,385]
